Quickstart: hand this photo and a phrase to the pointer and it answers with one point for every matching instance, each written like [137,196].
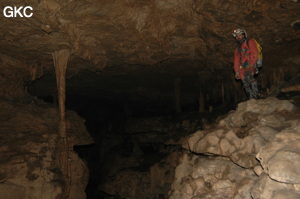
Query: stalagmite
[177,94]
[60,59]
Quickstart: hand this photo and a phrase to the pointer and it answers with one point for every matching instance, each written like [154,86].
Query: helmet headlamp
[239,31]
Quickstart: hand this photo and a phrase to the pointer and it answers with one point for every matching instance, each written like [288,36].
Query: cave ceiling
[142,39]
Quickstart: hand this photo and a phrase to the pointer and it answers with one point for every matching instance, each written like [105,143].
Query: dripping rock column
[60,59]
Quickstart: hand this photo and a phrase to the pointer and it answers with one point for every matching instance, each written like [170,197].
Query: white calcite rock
[248,112]
[240,151]
[281,158]
[209,177]
[286,194]
[253,153]
[266,188]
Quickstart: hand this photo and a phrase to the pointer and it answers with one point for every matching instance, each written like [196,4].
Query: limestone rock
[260,137]
[11,191]
[287,194]
[79,176]
[169,37]
[243,132]
[202,177]
[280,158]
[240,151]
[248,111]
[282,166]
[266,188]
[107,33]
[28,162]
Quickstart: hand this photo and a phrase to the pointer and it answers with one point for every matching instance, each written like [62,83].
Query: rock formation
[131,64]
[252,153]
[136,50]
[29,166]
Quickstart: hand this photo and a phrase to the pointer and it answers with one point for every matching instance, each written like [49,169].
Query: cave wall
[127,40]
[121,41]
[135,50]
[106,33]
[29,161]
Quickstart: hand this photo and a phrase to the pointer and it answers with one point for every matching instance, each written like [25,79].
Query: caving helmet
[239,31]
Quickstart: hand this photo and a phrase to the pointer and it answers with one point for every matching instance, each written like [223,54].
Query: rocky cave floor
[143,52]
[249,152]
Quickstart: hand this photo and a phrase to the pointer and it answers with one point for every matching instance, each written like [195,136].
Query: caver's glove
[237,75]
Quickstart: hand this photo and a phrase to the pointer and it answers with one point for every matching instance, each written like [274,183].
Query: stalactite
[177,94]
[60,59]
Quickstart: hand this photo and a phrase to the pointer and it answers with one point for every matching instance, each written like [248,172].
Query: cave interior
[130,61]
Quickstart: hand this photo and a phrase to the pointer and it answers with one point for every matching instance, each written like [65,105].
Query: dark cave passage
[132,128]
[153,109]
[102,117]
[109,124]
[121,127]
[133,119]
[137,122]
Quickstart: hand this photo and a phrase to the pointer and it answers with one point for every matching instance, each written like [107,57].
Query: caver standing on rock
[245,58]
